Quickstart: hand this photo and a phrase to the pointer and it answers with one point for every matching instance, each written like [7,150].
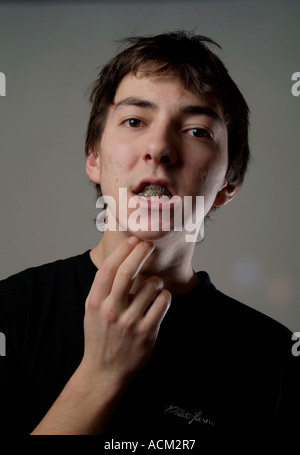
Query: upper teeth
[154,190]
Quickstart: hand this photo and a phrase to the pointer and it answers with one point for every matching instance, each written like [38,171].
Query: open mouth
[150,190]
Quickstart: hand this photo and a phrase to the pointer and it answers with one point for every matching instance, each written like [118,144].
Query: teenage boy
[126,339]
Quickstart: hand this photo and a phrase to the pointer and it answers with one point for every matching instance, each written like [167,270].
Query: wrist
[94,382]
[85,405]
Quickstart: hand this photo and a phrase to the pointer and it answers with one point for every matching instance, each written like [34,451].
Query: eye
[199,132]
[132,122]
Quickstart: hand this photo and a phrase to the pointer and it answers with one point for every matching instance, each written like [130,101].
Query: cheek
[116,158]
[207,175]
[208,180]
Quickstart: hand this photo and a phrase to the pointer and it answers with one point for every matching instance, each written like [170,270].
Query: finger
[145,294]
[157,311]
[105,276]
[129,269]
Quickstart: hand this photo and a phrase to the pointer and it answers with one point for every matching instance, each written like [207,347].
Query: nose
[161,146]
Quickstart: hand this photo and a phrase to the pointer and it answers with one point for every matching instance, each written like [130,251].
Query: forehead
[162,92]
[156,83]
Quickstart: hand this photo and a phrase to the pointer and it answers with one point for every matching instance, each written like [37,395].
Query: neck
[171,260]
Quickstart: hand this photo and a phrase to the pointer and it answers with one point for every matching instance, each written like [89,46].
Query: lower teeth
[151,191]
[155,195]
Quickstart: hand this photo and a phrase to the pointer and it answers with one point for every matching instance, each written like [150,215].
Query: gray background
[50,53]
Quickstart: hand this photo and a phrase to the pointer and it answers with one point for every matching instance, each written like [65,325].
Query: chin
[157,236]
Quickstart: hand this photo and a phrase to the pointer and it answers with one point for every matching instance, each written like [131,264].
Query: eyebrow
[202,110]
[189,109]
[138,102]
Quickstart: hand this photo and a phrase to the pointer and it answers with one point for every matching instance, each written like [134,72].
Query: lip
[154,181]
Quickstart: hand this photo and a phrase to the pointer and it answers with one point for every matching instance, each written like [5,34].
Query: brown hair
[188,57]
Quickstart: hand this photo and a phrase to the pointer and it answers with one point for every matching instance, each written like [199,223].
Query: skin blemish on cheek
[107,163]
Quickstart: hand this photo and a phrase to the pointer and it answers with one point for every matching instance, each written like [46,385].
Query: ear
[225,195]
[92,166]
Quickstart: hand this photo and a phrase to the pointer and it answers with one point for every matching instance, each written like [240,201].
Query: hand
[120,329]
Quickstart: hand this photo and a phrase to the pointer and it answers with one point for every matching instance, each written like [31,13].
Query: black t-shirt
[218,366]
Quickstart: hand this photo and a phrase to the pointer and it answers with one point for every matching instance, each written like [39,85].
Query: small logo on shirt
[190,417]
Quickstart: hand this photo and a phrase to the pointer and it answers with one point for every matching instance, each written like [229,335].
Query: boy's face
[159,133]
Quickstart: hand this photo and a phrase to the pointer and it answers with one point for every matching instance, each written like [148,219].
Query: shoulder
[243,311]
[37,298]
[232,311]
[247,316]
[253,330]
[240,323]
[45,285]
[46,272]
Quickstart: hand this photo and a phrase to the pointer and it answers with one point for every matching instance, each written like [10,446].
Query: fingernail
[133,241]
[148,244]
